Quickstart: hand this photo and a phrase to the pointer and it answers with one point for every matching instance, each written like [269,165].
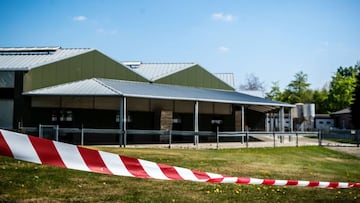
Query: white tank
[297,112]
[309,111]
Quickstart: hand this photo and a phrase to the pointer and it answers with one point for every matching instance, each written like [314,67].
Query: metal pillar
[125,121]
[40,131]
[196,123]
[282,123]
[242,118]
[82,135]
[291,121]
[122,122]
[242,122]
[267,125]
[57,132]
[274,123]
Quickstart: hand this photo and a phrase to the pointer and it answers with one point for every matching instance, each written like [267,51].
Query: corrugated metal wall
[88,65]
[195,76]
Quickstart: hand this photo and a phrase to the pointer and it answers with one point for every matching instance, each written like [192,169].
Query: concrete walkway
[264,141]
[354,151]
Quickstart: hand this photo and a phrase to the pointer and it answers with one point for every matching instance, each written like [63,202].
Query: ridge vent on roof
[170,63]
[132,64]
[28,50]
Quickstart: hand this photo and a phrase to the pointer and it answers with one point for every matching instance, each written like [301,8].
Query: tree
[299,85]
[320,99]
[298,90]
[348,72]
[342,87]
[355,106]
[275,92]
[253,83]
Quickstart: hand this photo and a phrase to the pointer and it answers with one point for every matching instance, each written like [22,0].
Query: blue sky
[271,39]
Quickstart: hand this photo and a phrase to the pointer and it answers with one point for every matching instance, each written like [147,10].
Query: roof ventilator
[29,51]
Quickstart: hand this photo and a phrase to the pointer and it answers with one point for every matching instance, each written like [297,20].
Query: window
[7,79]
[65,115]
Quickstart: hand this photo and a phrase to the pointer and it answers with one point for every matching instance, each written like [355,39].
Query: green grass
[26,182]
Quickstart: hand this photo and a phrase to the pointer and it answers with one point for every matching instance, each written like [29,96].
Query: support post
[217,137]
[170,139]
[196,123]
[247,139]
[40,131]
[57,133]
[82,135]
[274,122]
[282,129]
[122,122]
[125,120]
[274,138]
[242,123]
[291,122]
[267,125]
[242,118]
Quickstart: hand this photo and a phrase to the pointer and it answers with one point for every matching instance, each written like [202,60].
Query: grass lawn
[26,182]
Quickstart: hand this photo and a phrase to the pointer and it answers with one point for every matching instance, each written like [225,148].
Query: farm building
[84,88]
[343,119]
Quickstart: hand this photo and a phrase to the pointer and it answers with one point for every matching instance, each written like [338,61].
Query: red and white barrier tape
[48,152]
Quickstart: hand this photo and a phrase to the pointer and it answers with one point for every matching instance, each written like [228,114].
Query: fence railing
[90,136]
[341,135]
[280,136]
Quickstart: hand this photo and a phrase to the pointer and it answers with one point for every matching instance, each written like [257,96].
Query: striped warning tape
[48,152]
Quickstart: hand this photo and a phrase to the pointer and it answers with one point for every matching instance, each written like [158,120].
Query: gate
[50,132]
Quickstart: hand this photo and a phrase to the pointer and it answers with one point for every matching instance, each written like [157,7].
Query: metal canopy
[109,87]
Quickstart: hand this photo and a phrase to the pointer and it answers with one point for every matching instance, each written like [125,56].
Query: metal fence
[340,136]
[90,136]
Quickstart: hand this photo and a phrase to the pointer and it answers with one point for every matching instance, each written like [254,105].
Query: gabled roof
[342,111]
[108,87]
[155,71]
[227,77]
[24,59]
